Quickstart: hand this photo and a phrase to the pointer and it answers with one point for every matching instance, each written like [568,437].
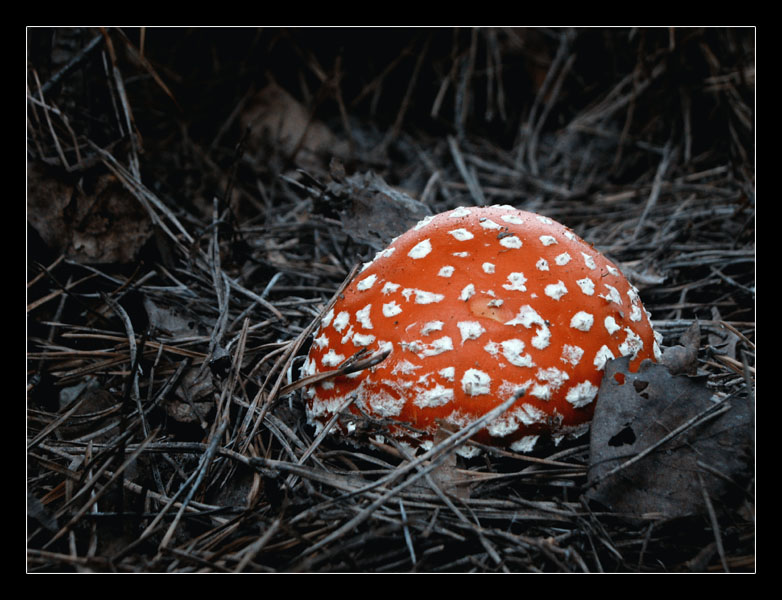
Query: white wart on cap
[476,305]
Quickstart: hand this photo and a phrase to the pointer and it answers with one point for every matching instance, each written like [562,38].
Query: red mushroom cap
[476,305]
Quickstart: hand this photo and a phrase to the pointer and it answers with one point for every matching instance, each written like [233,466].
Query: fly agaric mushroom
[473,306]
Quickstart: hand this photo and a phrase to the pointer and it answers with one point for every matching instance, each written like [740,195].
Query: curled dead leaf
[275,116]
[94,221]
[370,210]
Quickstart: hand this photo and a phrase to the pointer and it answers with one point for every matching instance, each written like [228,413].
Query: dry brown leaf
[275,116]
[96,223]
[683,358]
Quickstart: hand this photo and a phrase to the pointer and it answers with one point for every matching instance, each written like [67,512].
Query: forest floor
[180,251]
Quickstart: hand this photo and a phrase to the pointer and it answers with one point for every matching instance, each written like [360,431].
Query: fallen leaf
[683,358]
[96,221]
[170,319]
[656,436]
[371,211]
[276,119]
[193,401]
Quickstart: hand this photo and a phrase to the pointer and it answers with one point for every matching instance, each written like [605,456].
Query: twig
[469,178]
[662,169]
[438,451]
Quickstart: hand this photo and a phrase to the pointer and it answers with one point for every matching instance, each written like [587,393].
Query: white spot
[362,316]
[525,444]
[556,290]
[589,261]
[542,264]
[391,309]
[422,350]
[461,234]
[360,339]
[389,288]
[516,282]
[571,354]
[529,415]
[421,296]
[384,404]
[384,253]
[582,394]
[613,295]
[461,211]
[541,392]
[332,359]
[467,293]
[440,345]
[366,283]
[613,270]
[636,314]
[327,318]
[513,219]
[458,418]
[488,224]
[424,222]
[513,350]
[348,335]
[582,321]
[341,321]
[431,326]
[309,368]
[446,271]
[602,357]
[461,254]
[632,344]
[611,325]
[447,373]
[502,426]
[488,267]
[544,220]
[467,451]
[527,317]
[587,286]
[405,367]
[475,382]
[470,330]
[438,396]
[548,240]
[553,376]
[562,259]
[510,241]
[321,341]
[542,338]
[421,249]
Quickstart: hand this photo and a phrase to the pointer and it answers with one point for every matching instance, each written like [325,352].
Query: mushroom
[467,309]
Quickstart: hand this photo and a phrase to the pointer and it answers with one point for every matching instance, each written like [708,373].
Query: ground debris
[370,211]
[165,421]
[660,442]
